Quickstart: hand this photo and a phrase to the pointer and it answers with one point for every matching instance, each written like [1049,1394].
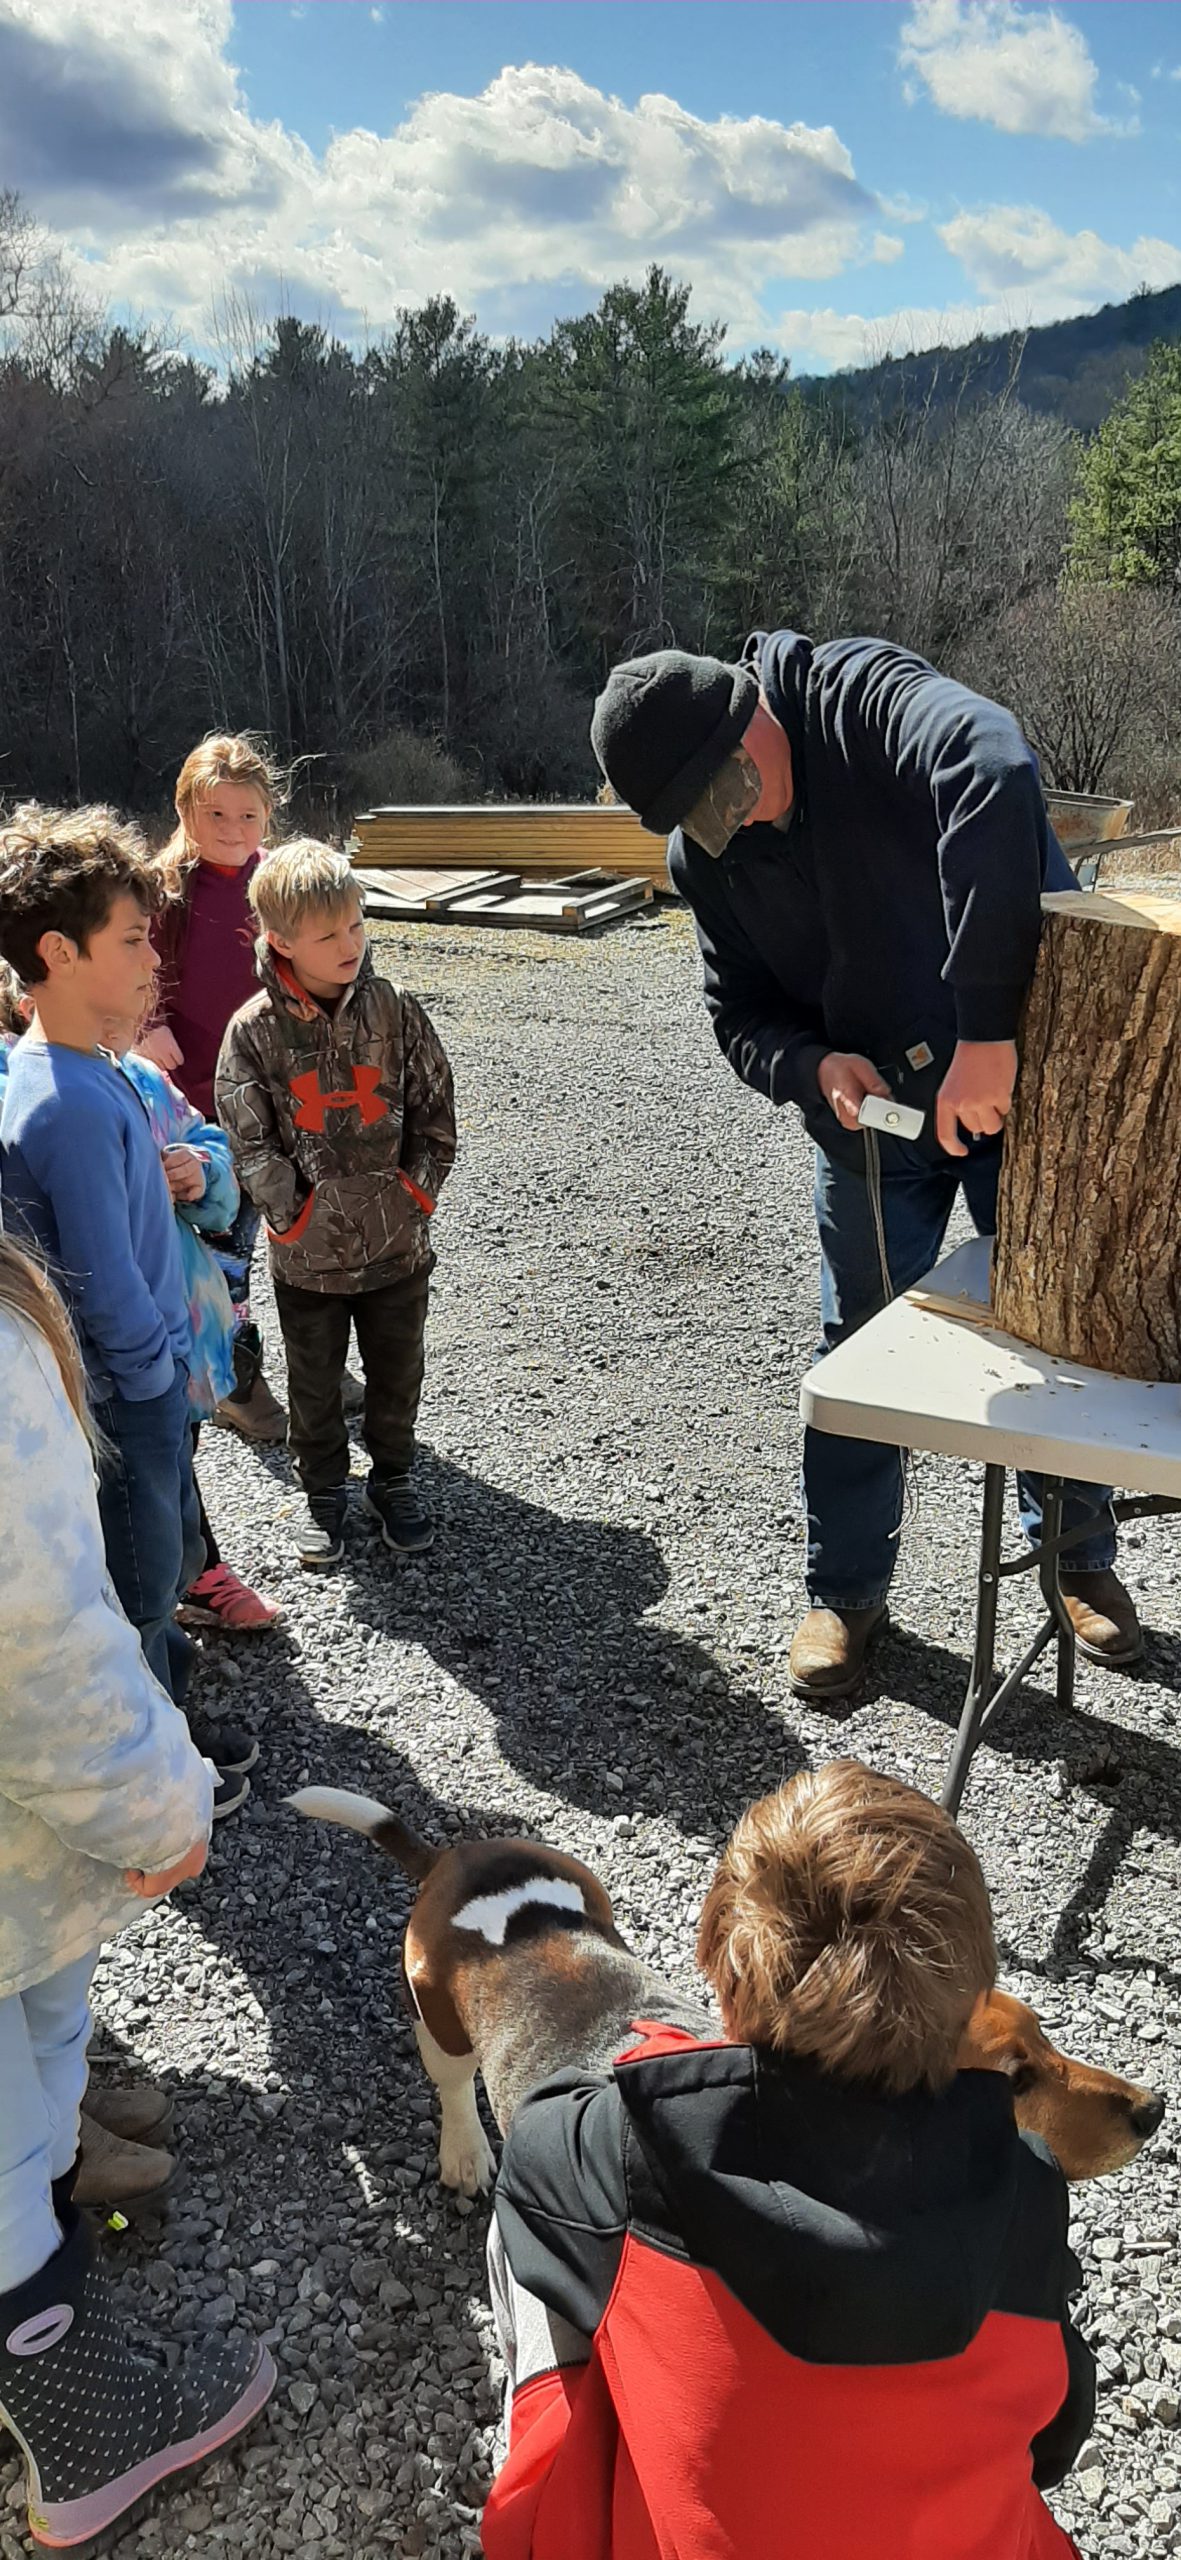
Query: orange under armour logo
[361,1095]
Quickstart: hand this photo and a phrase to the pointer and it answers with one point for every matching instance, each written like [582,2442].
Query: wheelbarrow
[1087,826]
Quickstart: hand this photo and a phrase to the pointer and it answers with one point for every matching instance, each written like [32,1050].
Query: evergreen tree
[1126,515]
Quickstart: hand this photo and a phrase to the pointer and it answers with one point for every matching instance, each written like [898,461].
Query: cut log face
[1088,1252]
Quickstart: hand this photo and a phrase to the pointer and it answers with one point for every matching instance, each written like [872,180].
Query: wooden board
[428,892]
[539,836]
[569,904]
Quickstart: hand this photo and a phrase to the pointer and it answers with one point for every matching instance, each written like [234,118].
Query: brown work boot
[142,2114]
[829,1648]
[132,2175]
[1103,1616]
[257,1416]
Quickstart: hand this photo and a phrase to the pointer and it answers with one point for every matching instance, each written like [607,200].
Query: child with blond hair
[335,1093]
[226,795]
[801,2293]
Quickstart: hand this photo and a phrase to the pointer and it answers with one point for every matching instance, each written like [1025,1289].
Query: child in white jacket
[104,1806]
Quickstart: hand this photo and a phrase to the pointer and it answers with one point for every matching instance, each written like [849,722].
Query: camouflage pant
[389,1325]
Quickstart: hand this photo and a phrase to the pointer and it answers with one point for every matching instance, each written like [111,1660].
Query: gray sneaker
[321,1538]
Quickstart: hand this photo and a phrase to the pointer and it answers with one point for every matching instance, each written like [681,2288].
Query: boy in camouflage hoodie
[335,1093]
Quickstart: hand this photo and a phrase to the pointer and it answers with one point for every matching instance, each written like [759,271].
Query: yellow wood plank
[542,837]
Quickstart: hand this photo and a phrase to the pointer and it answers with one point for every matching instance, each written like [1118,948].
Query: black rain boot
[100,2426]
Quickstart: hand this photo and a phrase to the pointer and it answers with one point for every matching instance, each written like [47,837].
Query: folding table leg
[1048,1576]
[980,1678]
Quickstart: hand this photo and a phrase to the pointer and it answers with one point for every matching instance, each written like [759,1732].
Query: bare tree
[1094,676]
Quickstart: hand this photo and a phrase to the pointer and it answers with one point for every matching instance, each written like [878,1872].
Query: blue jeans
[853,1489]
[237,1249]
[44,2033]
[151,1525]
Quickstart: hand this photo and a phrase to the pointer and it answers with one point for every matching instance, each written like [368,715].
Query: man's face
[766,743]
[113,977]
[753,786]
[328,949]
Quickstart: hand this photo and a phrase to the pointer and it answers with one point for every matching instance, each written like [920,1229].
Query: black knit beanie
[664,724]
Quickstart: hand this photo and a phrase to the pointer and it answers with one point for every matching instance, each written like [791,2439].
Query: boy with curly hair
[82,1179]
[801,2294]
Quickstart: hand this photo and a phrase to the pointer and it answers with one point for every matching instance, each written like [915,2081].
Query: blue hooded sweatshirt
[80,1173]
[899,910]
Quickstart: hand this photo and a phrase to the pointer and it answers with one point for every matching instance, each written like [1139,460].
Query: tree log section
[1088,1251]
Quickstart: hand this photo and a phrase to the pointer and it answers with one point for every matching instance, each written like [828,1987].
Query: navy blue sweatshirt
[899,909]
[81,1173]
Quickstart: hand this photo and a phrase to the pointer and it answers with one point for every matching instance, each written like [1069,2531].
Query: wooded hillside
[1073,370]
[412,564]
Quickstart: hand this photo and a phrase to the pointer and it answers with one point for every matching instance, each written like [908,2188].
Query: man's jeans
[151,1526]
[853,1489]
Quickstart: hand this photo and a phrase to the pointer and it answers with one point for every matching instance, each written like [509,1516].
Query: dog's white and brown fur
[514,1968]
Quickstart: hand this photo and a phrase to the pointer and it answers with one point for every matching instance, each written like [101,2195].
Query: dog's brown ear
[1017,2066]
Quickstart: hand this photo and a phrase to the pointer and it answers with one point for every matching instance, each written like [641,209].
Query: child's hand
[184,1172]
[161,1048]
[148,1887]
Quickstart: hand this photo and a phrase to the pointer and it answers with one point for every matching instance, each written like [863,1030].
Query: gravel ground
[595,1650]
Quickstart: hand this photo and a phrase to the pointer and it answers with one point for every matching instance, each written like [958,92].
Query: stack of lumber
[545,838]
[571,905]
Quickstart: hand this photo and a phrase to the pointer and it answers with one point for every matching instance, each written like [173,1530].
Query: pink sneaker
[219,1599]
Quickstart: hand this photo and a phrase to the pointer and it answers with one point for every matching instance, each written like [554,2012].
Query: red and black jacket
[825,2323]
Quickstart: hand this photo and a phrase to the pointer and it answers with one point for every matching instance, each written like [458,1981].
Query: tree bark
[1088,1249]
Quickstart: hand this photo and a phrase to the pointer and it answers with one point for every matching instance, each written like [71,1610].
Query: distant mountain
[1073,369]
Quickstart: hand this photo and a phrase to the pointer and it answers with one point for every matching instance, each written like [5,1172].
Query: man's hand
[975,1093]
[149,1887]
[159,1045]
[184,1172]
[844,1080]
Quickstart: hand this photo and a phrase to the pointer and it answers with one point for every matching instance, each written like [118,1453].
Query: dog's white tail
[374,1821]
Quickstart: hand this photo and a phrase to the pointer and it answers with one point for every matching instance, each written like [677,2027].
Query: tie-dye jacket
[174,1123]
[97,1770]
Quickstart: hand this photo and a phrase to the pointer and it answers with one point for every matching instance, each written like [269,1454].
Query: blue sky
[830,176]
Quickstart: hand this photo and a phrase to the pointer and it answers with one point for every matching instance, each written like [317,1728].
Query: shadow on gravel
[1134,1774]
[544,1620]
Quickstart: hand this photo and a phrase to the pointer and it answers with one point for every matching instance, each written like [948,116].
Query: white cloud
[1025,70]
[818,340]
[1017,248]
[1024,270]
[886,248]
[129,131]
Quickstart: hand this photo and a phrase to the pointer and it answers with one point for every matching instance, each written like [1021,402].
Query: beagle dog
[514,1968]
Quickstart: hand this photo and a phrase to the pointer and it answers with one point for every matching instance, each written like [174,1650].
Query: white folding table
[932,1373]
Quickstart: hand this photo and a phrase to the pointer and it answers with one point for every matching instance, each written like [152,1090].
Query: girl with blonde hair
[105,1806]
[226,794]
